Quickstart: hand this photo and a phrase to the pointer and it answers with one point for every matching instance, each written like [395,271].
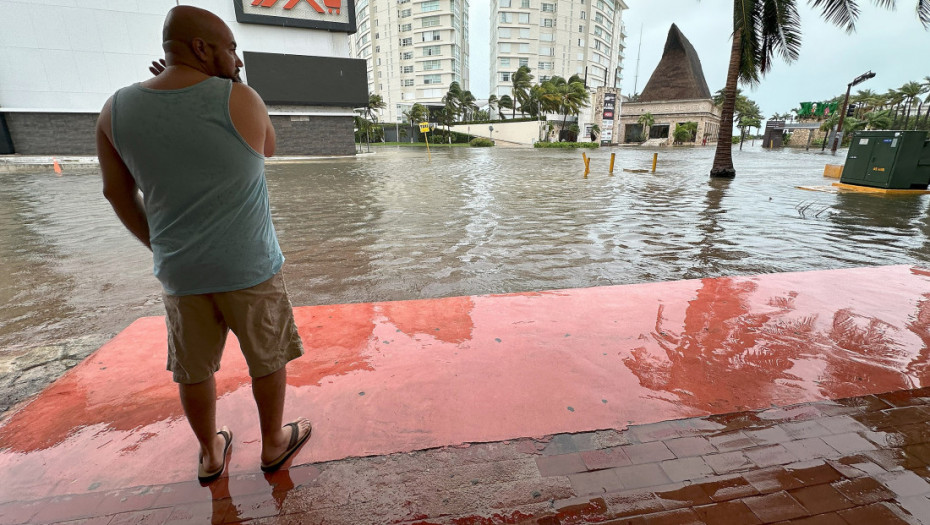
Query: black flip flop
[294,444]
[206,477]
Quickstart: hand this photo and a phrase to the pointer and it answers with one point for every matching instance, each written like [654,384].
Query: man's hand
[158,67]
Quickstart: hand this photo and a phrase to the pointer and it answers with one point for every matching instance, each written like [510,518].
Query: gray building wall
[74,134]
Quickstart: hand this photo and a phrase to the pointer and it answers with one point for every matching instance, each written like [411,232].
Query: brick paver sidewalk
[855,461]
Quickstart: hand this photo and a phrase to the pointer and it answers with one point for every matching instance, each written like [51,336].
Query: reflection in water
[726,334]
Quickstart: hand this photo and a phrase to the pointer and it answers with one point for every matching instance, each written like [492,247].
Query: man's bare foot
[283,445]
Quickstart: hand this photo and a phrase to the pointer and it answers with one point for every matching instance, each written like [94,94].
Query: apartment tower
[414,49]
[557,38]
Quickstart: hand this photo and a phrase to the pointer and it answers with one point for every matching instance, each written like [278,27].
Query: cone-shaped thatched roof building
[679,75]
[676,94]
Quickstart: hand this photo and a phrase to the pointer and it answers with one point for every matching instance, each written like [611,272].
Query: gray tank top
[203,187]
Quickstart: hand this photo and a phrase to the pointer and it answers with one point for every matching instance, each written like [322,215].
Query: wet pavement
[794,397]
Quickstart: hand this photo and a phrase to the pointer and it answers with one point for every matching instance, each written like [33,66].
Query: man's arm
[250,117]
[118,185]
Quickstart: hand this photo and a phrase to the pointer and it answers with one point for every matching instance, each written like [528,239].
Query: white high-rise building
[414,49]
[557,38]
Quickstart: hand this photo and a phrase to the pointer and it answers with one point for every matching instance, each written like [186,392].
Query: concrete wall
[58,134]
[516,132]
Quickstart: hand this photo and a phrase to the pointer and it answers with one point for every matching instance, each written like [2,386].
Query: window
[524,62]
[581,29]
[505,77]
[543,78]
[504,32]
[505,47]
[524,18]
[406,69]
[404,42]
[405,27]
[505,62]
[407,82]
[432,65]
[547,51]
[544,65]
[583,16]
[431,36]
[548,8]
[432,79]
[432,93]
[525,4]
[406,55]
[405,13]
[431,51]
[546,37]
[430,21]
[525,47]
[548,22]
[432,5]
[378,50]
[506,18]
[505,3]
[524,32]
[580,42]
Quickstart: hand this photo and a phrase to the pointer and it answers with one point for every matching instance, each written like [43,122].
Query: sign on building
[331,15]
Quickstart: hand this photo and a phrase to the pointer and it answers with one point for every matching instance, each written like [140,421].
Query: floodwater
[392,226]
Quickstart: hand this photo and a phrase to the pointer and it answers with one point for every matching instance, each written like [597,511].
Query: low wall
[516,132]
[56,134]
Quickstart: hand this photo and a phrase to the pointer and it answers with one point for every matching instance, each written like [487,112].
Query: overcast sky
[892,44]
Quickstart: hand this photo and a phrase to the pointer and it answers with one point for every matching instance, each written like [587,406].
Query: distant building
[413,49]
[557,38]
[60,61]
[676,93]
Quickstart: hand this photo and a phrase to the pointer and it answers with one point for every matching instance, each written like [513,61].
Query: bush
[481,142]
[566,145]
[735,140]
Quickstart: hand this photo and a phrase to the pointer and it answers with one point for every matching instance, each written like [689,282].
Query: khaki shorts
[260,316]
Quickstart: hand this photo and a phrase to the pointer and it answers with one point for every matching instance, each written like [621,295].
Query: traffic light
[851,110]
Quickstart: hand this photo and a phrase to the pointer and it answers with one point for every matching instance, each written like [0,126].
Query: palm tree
[910,91]
[467,105]
[522,80]
[375,103]
[505,102]
[927,100]
[764,28]
[416,113]
[568,95]
[452,97]
[492,104]
[877,119]
[646,120]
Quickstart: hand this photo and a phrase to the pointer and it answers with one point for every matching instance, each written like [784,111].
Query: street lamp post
[838,136]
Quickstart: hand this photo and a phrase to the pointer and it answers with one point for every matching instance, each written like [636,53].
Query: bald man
[182,156]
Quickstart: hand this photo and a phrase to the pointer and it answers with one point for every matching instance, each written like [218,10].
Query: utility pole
[838,136]
[638,53]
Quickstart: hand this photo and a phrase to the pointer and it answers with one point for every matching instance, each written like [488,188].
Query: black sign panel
[307,80]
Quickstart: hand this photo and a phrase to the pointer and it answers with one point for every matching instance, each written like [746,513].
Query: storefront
[59,64]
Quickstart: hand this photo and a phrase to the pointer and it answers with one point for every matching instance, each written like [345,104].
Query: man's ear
[199,46]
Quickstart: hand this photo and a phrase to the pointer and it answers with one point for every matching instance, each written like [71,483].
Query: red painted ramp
[388,377]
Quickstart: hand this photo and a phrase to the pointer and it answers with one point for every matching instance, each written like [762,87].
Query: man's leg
[199,402]
[269,397]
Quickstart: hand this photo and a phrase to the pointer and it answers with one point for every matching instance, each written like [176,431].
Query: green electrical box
[894,160]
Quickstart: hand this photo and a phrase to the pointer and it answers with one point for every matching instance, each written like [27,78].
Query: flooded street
[391,226]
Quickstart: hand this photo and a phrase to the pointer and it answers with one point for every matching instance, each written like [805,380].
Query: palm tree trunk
[723,157]
[907,116]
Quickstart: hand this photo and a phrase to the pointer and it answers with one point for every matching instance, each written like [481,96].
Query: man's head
[199,39]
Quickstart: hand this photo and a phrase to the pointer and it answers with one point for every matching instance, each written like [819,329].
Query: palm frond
[844,13]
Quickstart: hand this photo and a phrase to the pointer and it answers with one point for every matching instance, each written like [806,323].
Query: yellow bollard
[587,163]
[655,160]
[612,157]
